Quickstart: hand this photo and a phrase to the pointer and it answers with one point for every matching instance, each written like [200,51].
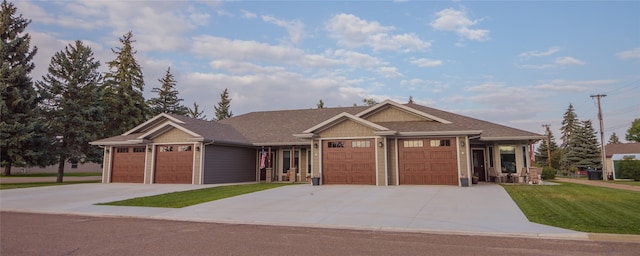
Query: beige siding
[393,161]
[106,164]
[393,114]
[172,136]
[315,159]
[382,163]
[197,164]
[347,129]
[148,165]
[463,158]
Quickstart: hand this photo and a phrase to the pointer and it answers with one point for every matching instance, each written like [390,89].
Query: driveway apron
[481,209]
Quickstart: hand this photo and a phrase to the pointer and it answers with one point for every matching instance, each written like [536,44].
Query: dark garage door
[174,164]
[226,164]
[349,162]
[428,161]
[128,164]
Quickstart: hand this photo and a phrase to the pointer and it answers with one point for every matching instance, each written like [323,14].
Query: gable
[347,128]
[393,114]
[171,136]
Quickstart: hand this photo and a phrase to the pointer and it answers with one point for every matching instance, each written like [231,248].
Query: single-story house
[617,151]
[385,144]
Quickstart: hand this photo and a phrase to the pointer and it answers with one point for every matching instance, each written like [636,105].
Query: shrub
[548,173]
[629,169]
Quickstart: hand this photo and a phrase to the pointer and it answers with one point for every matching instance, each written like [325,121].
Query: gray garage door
[225,164]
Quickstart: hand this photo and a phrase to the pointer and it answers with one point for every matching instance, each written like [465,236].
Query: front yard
[580,207]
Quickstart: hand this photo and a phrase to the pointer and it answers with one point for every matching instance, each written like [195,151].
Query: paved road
[43,234]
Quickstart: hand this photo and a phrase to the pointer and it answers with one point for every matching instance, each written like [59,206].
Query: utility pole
[604,158]
[546,126]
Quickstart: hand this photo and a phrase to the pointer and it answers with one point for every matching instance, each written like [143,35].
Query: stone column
[292,175]
[269,174]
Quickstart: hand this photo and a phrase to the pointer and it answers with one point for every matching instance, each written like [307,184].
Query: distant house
[385,144]
[615,152]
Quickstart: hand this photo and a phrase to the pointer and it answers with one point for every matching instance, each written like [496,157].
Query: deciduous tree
[633,134]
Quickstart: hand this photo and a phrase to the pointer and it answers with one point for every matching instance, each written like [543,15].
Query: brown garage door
[174,164]
[348,162]
[128,164]
[428,161]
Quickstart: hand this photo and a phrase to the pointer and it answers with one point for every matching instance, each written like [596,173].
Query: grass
[580,207]
[41,184]
[193,197]
[627,182]
[71,174]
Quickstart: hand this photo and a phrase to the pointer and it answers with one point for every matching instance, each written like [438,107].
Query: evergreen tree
[223,109]
[125,105]
[320,104]
[369,102]
[69,90]
[21,133]
[614,139]
[583,150]
[542,156]
[570,124]
[196,113]
[633,134]
[167,100]
[411,100]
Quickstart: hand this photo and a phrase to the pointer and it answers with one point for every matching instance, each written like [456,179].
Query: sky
[516,63]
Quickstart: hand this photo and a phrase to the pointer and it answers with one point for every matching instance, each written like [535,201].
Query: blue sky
[515,63]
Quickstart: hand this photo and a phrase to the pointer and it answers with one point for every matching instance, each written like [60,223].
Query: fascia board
[152,120]
[164,126]
[403,107]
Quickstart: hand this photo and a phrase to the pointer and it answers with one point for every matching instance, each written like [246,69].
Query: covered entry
[128,164]
[174,164]
[349,162]
[428,161]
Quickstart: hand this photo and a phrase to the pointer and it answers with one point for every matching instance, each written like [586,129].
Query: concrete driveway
[483,209]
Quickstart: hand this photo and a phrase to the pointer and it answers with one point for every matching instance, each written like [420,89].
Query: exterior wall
[392,162]
[226,164]
[347,129]
[381,162]
[303,165]
[197,163]
[464,158]
[393,114]
[172,136]
[315,158]
[106,164]
[149,165]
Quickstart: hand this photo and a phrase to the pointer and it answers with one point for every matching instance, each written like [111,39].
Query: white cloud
[557,63]
[351,31]
[457,21]
[389,72]
[424,62]
[630,54]
[572,86]
[248,14]
[548,52]
[566,61]
[294,28]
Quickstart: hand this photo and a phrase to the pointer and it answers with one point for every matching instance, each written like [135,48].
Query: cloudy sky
[515,63]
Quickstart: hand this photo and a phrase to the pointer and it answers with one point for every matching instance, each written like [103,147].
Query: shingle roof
[620,148]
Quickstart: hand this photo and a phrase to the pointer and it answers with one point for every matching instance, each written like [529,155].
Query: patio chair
[496,176]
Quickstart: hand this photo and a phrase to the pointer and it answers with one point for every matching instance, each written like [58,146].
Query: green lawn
[71,174]
[193,197]
[41,184]
[627,182]
[580,207]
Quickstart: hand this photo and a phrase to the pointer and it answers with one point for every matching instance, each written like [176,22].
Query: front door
[478,164]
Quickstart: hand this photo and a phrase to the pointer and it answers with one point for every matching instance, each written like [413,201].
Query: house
[617,151]
[385,144]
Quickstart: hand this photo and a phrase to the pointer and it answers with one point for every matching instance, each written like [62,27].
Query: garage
[428,161]
[128,164]
[174,164]
[348,162]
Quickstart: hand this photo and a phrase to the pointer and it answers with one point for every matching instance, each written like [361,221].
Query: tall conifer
[223,110]
[167,100]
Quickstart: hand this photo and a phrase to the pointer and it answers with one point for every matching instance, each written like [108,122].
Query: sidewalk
[5,180]
[600,184]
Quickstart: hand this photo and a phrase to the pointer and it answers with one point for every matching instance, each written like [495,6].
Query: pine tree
[223,109]
[21,132]
[411,100]
[125,104]
[542,154]
[69,90]
[583,150]
[320,104]
[196,113]
[614,139]
[167,100]
[633,134]
[570,124]
[369,102]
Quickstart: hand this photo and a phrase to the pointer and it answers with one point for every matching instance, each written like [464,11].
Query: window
[138,150]
[491,157]
[184,148]
[413,143]
[508,159]
[524,155]
[286,160]
[166,149]
[335,144]
[122,150]
[361,144]
[74,164]
[440,143]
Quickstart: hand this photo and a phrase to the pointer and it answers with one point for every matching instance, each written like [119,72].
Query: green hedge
[628,169]
[548,173]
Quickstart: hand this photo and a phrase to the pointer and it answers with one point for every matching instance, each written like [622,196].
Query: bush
[548,173]
[629,169]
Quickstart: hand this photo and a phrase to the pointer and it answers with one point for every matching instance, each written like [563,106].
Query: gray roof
[279,127]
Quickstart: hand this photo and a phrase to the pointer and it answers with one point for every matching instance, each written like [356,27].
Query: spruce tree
[614,139]
[584,151]
[320,104]
[124,83]
[167,100]
[22,136]
[570,124]
[223,109]
[196,113]
[542,155]
[69,91]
